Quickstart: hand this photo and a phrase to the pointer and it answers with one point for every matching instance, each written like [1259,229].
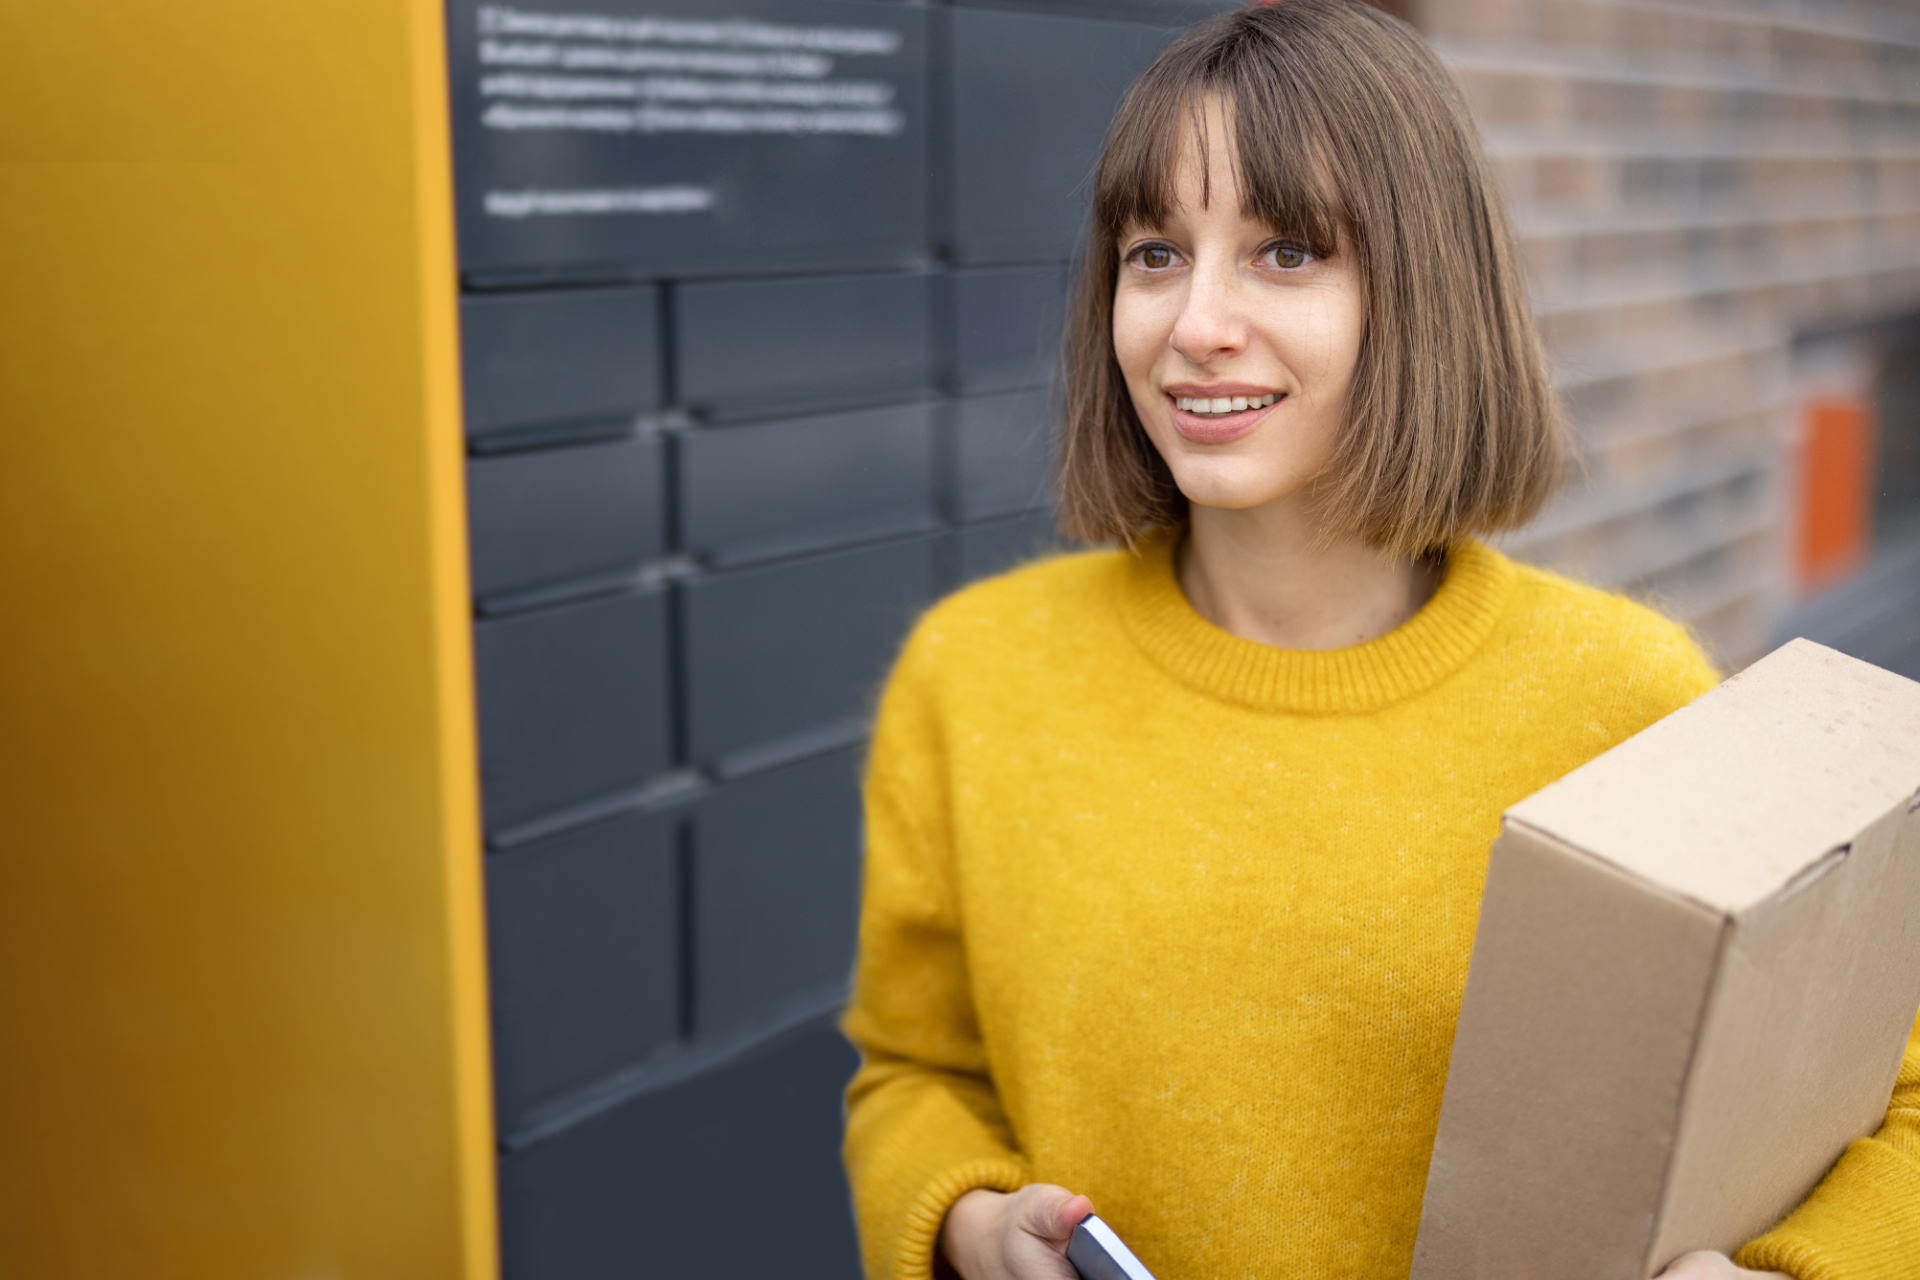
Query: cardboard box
[1697,965]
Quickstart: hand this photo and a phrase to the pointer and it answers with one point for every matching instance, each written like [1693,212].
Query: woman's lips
[1218,428]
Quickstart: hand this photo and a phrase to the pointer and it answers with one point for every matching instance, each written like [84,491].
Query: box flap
[1674,806]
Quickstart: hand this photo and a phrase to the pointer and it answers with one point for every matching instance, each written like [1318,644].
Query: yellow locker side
[242,984]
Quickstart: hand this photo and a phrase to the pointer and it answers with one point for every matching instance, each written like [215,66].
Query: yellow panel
[242,1006]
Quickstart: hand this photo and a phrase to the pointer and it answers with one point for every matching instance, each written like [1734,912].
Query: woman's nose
[1209,326]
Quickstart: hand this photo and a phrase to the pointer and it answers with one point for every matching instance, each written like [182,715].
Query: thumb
[1071,1212]
[1053,1213]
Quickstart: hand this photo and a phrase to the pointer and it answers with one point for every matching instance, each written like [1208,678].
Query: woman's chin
[1234,493]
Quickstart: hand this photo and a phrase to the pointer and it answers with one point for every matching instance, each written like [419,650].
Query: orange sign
[1836,489]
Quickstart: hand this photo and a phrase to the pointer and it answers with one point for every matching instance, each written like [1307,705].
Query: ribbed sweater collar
[1408,660]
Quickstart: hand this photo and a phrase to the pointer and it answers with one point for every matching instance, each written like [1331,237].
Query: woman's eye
[1290,253]
[1154,257]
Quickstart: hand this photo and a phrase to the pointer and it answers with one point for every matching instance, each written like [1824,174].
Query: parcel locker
[805,483]
[583,938]
[1032,96]
[671,137]
[996,546]
[776,894]
[1001,453]
[574,704]
[779,649]
[1008,322]
[735,1172]
[559,360]
[760,348]
[843,411]
[558,514]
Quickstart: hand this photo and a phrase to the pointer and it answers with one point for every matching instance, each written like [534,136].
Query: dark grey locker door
[983,550]
[1033,94]
[804,483]
[574,704]
[559,358]
[1002,453]
[776,894]
[1171,15]
[783,648]
[733,1173]
[583,937]
[1008,325]
[688,136]
[558,514]
[765,348]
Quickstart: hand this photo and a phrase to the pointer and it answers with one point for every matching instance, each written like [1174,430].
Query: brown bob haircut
[1348,133]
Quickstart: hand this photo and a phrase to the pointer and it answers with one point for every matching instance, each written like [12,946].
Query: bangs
[1283,152]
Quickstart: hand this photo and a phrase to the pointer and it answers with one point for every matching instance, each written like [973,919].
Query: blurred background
[1717,204]
[757,303]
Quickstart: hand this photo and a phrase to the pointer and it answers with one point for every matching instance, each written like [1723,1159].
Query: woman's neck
[1263,575]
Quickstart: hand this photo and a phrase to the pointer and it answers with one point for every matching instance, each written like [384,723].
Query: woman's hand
[989,1235]
[1704,1265]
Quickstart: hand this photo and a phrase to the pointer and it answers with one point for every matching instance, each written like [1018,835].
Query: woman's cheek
[1144,315]
[1133,344]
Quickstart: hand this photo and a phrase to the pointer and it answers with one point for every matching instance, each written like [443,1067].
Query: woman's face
[1238,345]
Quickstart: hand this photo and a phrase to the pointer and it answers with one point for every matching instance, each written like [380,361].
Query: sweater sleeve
[924,1124]
[1863,1221]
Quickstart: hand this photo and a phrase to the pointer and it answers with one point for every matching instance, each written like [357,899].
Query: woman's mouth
[1218,419]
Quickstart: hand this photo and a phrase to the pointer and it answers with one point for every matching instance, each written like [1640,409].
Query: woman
[1175,851]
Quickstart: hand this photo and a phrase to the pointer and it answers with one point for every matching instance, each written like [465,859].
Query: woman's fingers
[1707,1265]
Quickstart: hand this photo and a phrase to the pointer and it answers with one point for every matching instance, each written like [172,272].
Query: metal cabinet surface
[771,488]
[680,137]
[760,348]
[780,649]
[1001,454]
[1007,325]
[558,514]
[776,893]
[560,360]
[733,1172]
[1032,95]
[574,704]
[1169,15]
[983,550]
[581,927]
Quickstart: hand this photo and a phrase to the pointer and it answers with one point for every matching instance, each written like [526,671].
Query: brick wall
[1694,183]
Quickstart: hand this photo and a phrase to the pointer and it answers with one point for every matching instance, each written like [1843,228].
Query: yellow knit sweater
[1182,921]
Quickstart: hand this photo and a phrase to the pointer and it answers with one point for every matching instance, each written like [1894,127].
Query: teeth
[1222,404]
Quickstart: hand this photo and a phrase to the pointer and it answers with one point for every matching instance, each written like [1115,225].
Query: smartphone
[1098,1254]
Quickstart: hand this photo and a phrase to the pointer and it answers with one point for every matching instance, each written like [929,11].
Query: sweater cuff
[1862,1222]
[920,1234]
